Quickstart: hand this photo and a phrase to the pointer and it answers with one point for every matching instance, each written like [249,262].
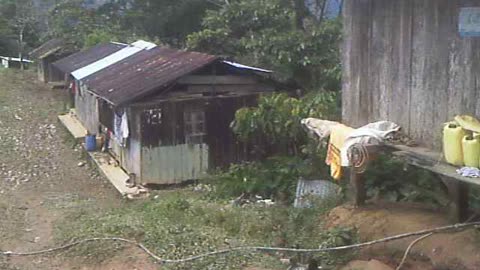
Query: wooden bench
[457,185]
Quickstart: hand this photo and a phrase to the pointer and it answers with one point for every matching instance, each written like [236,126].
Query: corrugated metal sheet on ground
[111,59]
[86,57]
[144,73]
[309,189]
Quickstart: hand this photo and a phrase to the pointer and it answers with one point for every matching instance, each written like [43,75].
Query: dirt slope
[40,182]
[446,251]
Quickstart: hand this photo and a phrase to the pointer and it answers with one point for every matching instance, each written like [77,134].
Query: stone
[366,265]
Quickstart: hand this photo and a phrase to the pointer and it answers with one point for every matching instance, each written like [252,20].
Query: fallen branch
[158,259]
[410,247]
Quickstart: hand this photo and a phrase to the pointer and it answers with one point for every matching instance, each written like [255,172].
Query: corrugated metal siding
[86,106]
[174,164]
[167,159]
[41,70]
[129,157]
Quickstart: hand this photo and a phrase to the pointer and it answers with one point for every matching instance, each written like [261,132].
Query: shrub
[277,118]
[392,180]
[275,177]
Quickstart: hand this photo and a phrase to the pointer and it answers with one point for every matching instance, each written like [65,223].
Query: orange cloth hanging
[338,136]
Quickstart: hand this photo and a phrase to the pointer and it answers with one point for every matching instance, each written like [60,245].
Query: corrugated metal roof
[86,57]
[47,48]
[240,66]
[15,59]
[145,72]
[111,59]
[144,44]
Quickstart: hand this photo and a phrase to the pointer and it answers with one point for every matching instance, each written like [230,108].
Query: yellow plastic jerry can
[452,143]
[471,151]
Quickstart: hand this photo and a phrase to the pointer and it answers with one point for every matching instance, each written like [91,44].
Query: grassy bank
[181,223]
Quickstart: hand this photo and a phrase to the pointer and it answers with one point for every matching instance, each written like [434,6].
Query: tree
[83,24]
[97,37]
[168,20]
[4,34]
[19,22]
[279,34]
[24,17]
[277,119]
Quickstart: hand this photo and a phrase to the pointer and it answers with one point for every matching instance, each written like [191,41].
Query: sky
[333,7]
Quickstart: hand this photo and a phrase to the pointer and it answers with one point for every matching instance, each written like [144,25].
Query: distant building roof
[15,59]
[48,48]
[142,74]
[113,58]
[87,57]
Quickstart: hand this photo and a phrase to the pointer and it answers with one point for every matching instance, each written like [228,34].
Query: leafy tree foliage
[17,25]
[168,20]
[81,25]
[97,37]
[279,34]
[277,119]
[5,32]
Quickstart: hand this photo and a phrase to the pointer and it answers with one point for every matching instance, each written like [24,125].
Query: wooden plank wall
[404,61]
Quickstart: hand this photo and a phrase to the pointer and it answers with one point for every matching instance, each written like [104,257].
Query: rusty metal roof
[86,57]
[144,73]
[47,48]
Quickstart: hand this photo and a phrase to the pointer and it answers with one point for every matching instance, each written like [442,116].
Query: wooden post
[360,156]
[458,193]
[357,181]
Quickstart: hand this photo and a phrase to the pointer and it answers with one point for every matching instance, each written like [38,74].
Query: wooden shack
[46,55]
[408,61]
[178,105]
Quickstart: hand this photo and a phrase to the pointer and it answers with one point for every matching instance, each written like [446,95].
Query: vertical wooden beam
[458,192]
[357,182]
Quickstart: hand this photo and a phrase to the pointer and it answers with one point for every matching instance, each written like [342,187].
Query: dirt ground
[40,180]
[455,251]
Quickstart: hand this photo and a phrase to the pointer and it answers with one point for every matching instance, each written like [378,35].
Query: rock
[366,265]
[81,164]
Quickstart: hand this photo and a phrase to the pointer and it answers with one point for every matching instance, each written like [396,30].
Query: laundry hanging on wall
[120,125]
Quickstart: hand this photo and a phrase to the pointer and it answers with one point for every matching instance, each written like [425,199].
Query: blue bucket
[91,143]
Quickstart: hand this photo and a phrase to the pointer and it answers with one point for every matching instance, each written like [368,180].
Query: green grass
[182,223]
